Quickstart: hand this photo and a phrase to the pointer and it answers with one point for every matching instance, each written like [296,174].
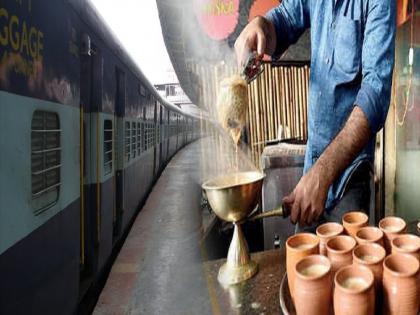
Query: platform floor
[159,269]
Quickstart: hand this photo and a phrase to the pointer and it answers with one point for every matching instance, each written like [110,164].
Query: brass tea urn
[233,197]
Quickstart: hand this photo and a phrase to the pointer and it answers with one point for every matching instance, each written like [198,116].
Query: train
[84,136]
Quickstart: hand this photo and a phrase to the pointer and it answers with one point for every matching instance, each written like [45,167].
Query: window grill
[142,90]
[149,136]
[127,141]
[45,159]
[133,139]
[108,146]
[139,136]
[157,133]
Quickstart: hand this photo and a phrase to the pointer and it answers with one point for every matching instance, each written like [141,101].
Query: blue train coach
[83,135]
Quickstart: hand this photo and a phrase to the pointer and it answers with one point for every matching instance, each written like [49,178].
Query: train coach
[83,135]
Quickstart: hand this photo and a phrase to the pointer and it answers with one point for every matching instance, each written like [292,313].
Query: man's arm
[307,201]
[308,198]
[272,34]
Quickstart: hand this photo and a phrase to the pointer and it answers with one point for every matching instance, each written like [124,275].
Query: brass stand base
[232,275]
[239,266]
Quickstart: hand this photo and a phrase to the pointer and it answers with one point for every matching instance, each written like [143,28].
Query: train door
[155,144]
[89,220]
[161,137]
[120,101]
[177,121]
[158,146]
[168,135]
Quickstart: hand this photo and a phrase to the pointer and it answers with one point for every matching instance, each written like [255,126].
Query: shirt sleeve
[290,19]
[377,63]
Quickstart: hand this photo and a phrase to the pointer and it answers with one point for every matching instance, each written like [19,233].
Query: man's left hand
[307,201]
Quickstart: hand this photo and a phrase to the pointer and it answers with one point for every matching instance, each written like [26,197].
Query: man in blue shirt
[352,60]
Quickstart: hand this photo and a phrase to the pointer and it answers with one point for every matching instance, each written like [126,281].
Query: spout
[278,212]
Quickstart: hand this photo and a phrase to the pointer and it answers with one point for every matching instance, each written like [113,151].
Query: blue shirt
[352,60]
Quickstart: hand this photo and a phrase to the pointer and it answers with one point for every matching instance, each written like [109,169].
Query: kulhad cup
[299,246]
[391,226]
[406,244]
[327,231]
[313,286]
[354,221]
[354,291]
[371,255]
[401,290]
[370,234]
[340,252]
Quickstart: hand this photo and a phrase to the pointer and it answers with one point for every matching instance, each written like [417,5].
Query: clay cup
[299,246]
[327,231]
[339,252]
[406,244]
[372,256]
[391,226]
[313,286]
[354,291]
[354,221]
[401,290]
[370,234]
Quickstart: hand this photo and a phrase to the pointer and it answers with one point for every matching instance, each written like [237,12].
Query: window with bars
[108,146]
[142,90]
[149,136]
[127,141]
[157,134]
[139,135]
[45,159]
[133,139]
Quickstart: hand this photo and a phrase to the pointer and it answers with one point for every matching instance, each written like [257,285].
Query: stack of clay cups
[356,271]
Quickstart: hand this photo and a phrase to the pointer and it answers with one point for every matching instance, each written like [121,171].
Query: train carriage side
[87,135]
[39,164]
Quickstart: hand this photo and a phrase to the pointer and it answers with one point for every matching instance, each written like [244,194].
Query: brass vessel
[233,197]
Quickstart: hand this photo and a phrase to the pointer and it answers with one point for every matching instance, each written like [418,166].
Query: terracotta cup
[370,234]
[354,292]
[354,221]
[401,289]
[406,244]
[299,246]
[391,226]
[313,286]
[325,232]
[339,252]
[370,255]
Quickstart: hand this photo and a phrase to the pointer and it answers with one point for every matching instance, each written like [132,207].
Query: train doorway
[120,100]
[89,102]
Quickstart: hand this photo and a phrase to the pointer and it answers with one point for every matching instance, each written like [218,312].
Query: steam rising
[201,64]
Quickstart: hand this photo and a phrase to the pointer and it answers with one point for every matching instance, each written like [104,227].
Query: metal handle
[277,212]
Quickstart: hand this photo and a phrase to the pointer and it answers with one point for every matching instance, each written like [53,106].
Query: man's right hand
[260,36]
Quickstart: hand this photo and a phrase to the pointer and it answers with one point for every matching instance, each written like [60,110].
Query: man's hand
[260,36]
[307,201]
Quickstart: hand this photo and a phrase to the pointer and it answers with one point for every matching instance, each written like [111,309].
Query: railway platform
[161,268]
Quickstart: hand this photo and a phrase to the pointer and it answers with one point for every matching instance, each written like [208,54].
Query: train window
[147,136]
[139,133]
[142,90]
[133,139]
[45,159]
[127,141]
[150,136]
[108,146]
